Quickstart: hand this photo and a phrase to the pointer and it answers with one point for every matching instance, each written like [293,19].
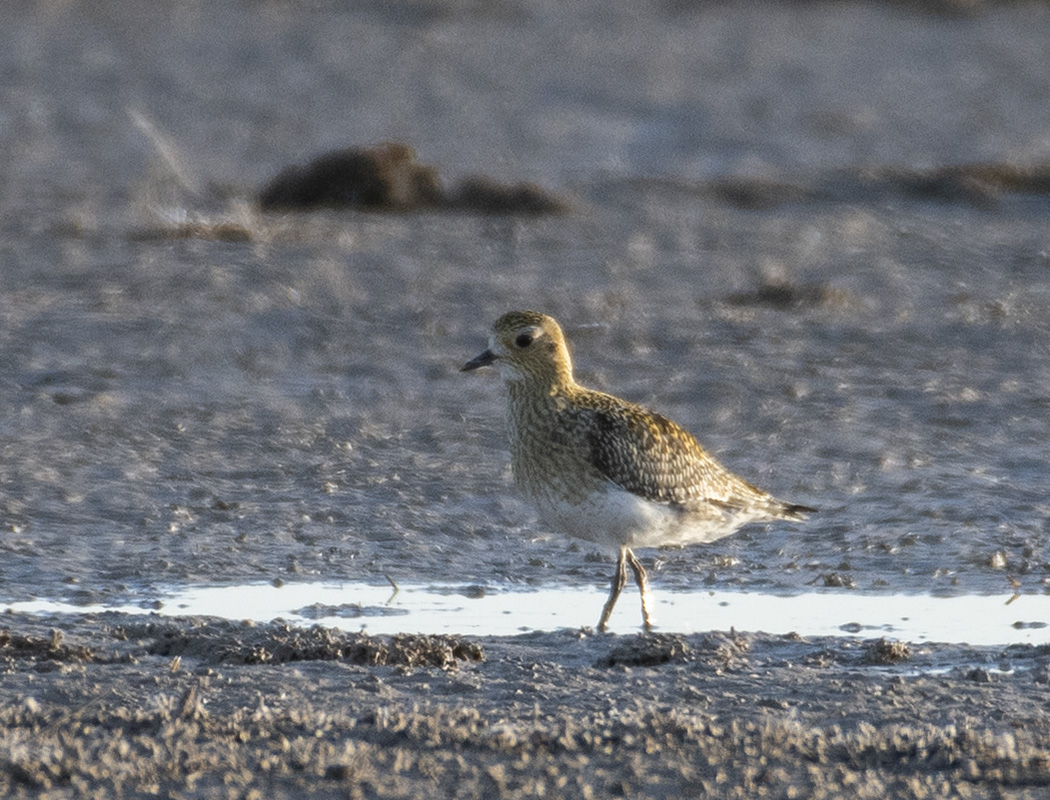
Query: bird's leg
[643,587]
[618,582]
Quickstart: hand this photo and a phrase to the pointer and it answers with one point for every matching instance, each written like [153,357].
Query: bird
[607,470]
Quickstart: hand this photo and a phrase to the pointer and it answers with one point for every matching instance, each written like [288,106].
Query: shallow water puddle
[488,610]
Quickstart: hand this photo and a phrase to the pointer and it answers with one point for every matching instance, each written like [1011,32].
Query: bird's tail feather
[796,511]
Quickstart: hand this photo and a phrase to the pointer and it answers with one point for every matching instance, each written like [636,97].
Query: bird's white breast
[614,518]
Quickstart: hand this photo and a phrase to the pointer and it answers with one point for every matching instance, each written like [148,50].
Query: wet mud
[105,706]
[813,233]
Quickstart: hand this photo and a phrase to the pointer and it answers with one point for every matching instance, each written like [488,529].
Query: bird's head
[527,346]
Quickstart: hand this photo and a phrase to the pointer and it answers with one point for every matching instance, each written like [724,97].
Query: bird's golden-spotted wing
[653,457]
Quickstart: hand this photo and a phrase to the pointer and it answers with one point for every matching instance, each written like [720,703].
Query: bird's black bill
[483,360]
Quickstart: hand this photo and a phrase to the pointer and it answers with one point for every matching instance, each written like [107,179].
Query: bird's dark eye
[523,340]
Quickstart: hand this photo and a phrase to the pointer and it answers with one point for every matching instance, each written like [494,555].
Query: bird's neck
[535,393]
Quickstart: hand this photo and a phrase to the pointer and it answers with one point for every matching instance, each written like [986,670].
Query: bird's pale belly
[613,517]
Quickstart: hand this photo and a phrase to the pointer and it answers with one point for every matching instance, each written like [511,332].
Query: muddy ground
[119,706]
[815,234]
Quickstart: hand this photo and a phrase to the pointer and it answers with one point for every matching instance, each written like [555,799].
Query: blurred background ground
[777,236]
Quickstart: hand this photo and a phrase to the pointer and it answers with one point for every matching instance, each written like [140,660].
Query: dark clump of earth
[885,651]
[784,295]
[479,193]
[388,177]
[979,184]
[649,650]
[218,641]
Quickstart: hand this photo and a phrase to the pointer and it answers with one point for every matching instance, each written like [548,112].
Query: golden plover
[602,469]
